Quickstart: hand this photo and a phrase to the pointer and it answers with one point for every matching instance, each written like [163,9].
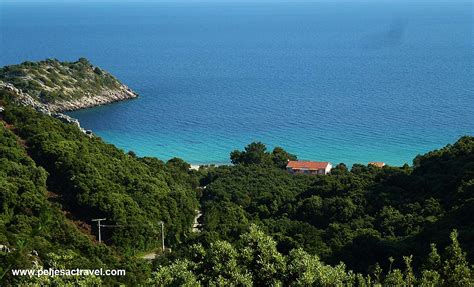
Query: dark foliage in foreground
[255,261]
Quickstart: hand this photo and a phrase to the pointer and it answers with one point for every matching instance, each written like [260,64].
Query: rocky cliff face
[106,97]
[24,99]
[64,86]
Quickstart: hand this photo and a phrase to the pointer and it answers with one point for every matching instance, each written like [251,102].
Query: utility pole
[98,220]
[162,235]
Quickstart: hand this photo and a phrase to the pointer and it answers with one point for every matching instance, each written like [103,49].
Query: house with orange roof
[308,167]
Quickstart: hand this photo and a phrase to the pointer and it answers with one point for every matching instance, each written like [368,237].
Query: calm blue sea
[331,81]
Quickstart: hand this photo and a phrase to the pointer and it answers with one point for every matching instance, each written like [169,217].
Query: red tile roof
[310,165]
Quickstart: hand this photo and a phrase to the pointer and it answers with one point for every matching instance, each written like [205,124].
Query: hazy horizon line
[221,1]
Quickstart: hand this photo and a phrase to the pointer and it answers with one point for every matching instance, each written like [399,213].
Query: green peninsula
[66,86]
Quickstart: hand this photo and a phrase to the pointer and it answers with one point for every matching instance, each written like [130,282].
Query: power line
[162,235]
[98,220]
[119,225]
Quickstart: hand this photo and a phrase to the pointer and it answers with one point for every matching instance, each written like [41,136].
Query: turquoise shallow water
[340,82]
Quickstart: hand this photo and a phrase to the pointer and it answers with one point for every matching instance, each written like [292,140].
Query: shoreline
[194,166]
[58,111]
[88,102]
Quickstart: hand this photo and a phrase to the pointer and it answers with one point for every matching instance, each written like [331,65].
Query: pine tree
[456,269]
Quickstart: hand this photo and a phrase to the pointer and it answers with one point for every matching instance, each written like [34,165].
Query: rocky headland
[63,86]
[52,87]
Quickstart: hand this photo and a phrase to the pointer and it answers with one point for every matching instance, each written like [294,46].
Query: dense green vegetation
[55,180]
[28,221]
[360,216]
[372,225]
[51,80]
[255,261]
[260,225]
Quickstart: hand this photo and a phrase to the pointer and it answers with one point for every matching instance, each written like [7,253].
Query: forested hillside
[55,180]
[374,226]
[360,216]
[260,226]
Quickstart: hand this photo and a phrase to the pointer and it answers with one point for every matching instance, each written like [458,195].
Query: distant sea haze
[339,82]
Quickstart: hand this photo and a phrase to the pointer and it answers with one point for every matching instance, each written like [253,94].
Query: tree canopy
[260,225]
